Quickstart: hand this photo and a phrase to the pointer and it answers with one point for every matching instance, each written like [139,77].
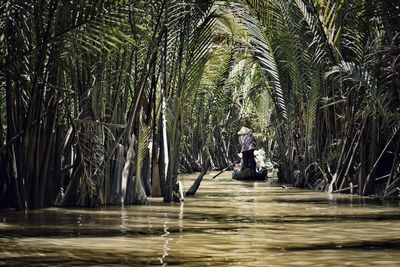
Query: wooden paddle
[227,168]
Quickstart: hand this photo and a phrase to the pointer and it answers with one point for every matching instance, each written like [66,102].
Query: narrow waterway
[228,223]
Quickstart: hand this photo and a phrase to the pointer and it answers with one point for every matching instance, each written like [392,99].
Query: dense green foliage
[335,73]
[88,89]
[107,101]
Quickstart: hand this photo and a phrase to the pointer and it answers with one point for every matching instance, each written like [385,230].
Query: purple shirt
[247,141]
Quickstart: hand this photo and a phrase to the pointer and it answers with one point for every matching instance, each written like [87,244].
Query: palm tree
[96,96]
[83,91]
[320,60]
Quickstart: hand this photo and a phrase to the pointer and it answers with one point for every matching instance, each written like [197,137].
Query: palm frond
[261,48]
[142,148]
[325,50]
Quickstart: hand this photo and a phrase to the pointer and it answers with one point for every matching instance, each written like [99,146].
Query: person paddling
[248,144]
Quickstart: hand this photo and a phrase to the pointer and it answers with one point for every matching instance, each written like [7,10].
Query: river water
[228,223]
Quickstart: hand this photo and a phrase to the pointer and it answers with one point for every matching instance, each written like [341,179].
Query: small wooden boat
[249,175]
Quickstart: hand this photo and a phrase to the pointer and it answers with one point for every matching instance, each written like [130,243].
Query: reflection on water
[228,223]
[166,241]
[124,219]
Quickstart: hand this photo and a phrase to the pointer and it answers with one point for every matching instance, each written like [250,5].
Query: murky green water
[228,223]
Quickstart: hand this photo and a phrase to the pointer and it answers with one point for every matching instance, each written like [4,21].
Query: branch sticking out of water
[192,190]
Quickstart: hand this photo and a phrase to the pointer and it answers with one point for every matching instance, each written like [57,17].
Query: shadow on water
[228,223]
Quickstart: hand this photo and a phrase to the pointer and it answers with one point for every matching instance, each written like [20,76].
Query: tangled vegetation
[106,101]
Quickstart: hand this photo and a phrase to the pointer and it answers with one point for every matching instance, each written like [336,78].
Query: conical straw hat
[244,130]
